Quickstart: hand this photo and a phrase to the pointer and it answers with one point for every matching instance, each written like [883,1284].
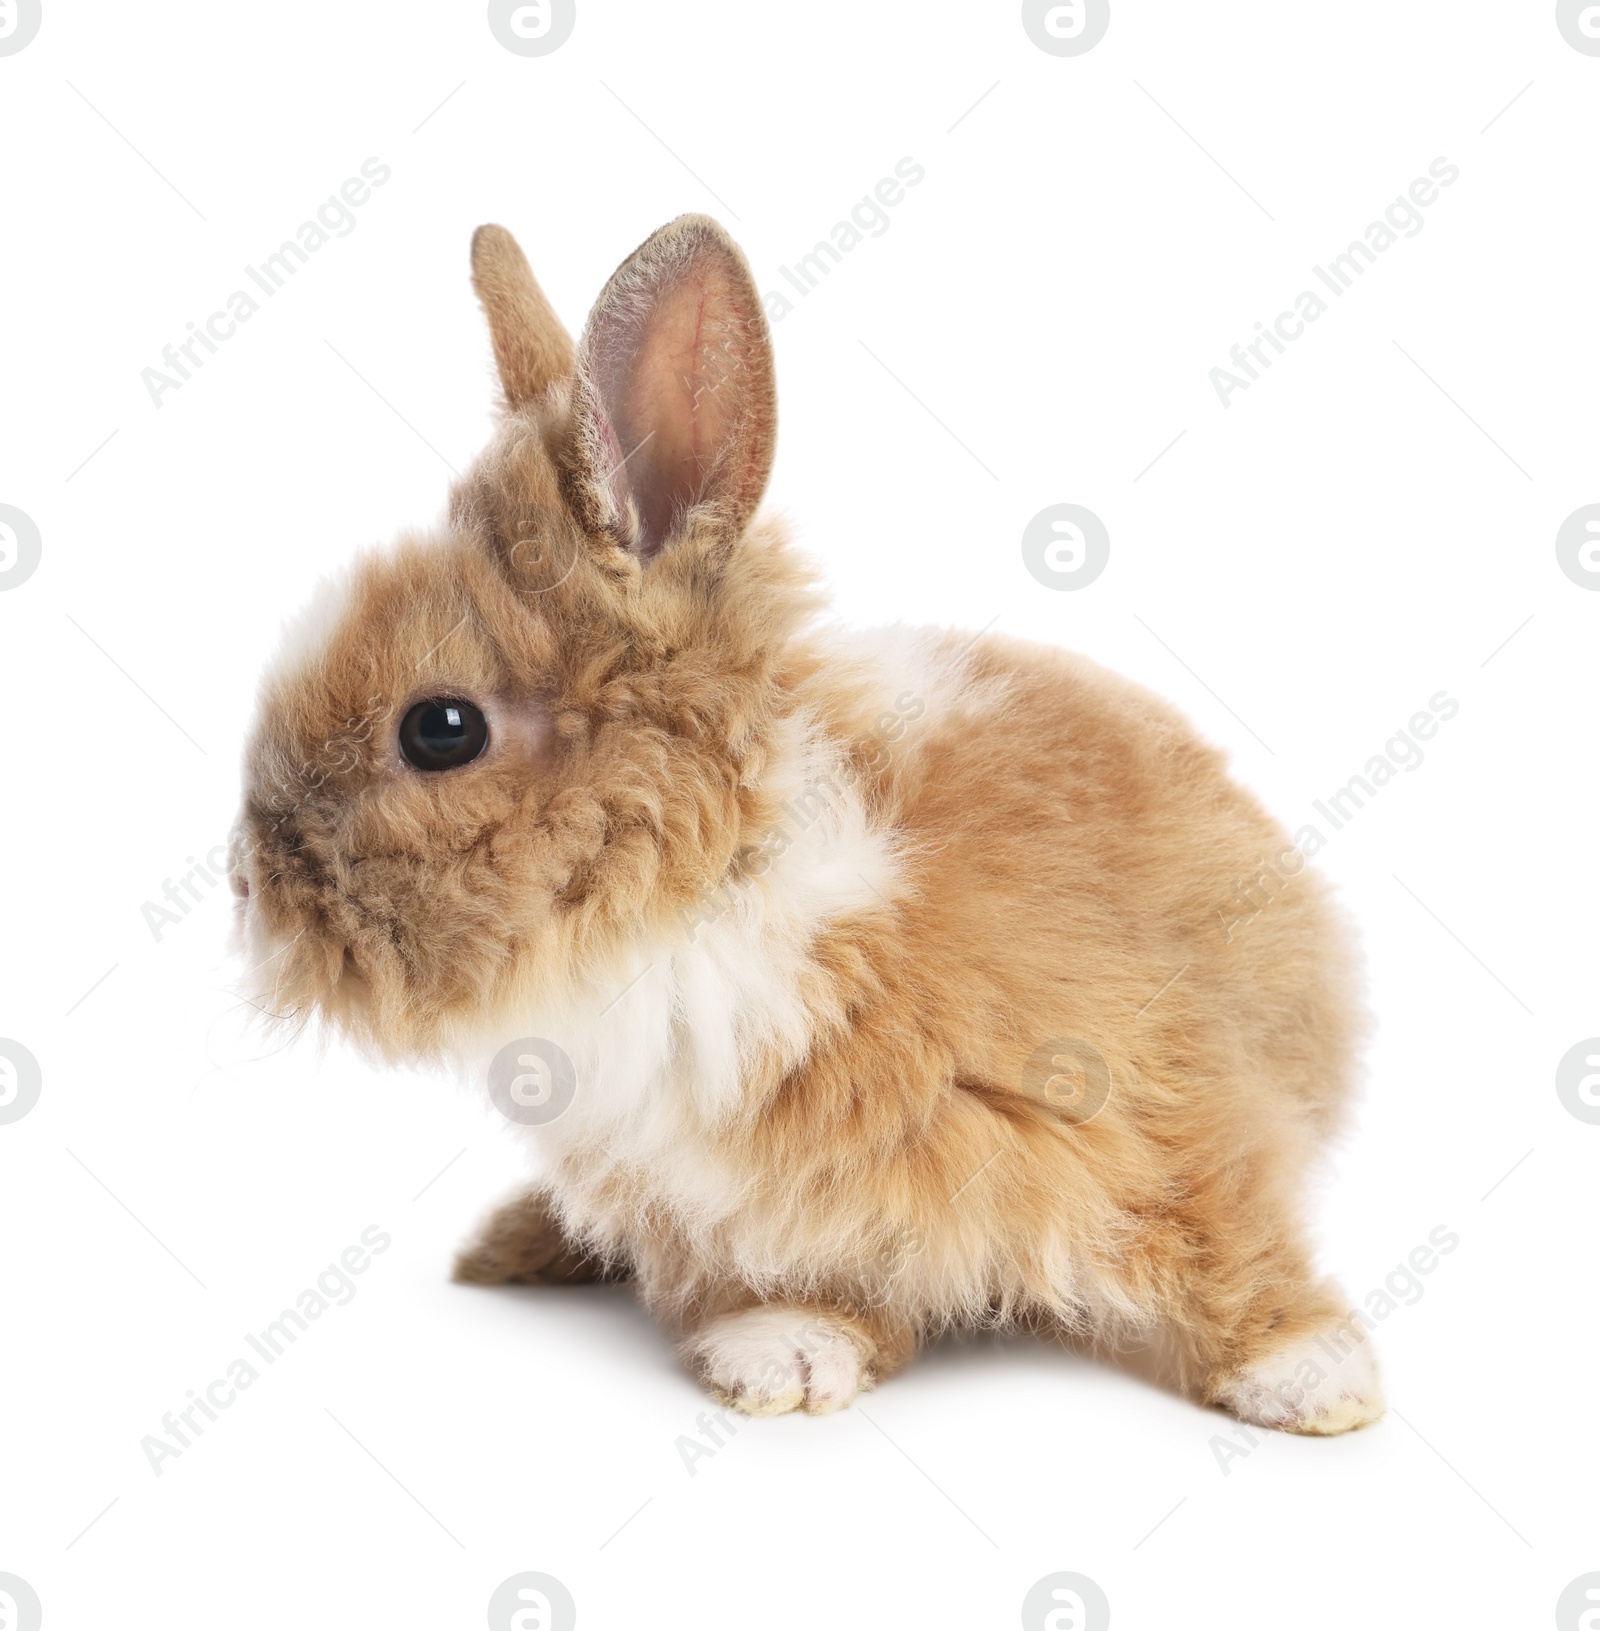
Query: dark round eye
[442,733]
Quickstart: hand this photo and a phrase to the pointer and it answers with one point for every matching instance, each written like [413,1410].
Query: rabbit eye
[443,733]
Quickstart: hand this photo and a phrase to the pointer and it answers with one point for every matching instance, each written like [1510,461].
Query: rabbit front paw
[768,1361]
[1321,1384]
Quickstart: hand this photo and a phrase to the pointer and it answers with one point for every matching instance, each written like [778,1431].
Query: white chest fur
[663,1044]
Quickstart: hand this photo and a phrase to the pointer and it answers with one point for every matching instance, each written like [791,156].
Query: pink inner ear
[678,350]
[612,459]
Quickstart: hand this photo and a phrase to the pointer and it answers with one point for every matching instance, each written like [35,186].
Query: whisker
[287,946]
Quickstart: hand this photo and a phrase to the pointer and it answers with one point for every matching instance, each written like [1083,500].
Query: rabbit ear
[675,403]
[531,348]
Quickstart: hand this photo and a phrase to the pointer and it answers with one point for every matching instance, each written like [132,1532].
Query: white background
[1301,571]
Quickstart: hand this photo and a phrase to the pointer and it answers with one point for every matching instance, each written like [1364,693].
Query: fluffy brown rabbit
[850,988]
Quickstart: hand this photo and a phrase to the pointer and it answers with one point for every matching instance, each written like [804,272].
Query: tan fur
[531,349]
[1066,853]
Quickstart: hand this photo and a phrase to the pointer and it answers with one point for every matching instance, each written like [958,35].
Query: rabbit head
[537,728]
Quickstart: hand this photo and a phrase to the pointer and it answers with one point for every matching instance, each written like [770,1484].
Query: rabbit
[876,985]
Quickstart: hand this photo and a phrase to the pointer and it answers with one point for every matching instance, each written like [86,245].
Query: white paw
[1319,1384]
[767,1361]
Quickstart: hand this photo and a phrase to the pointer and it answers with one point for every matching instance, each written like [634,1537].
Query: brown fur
[524,1243]
[1067,863]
